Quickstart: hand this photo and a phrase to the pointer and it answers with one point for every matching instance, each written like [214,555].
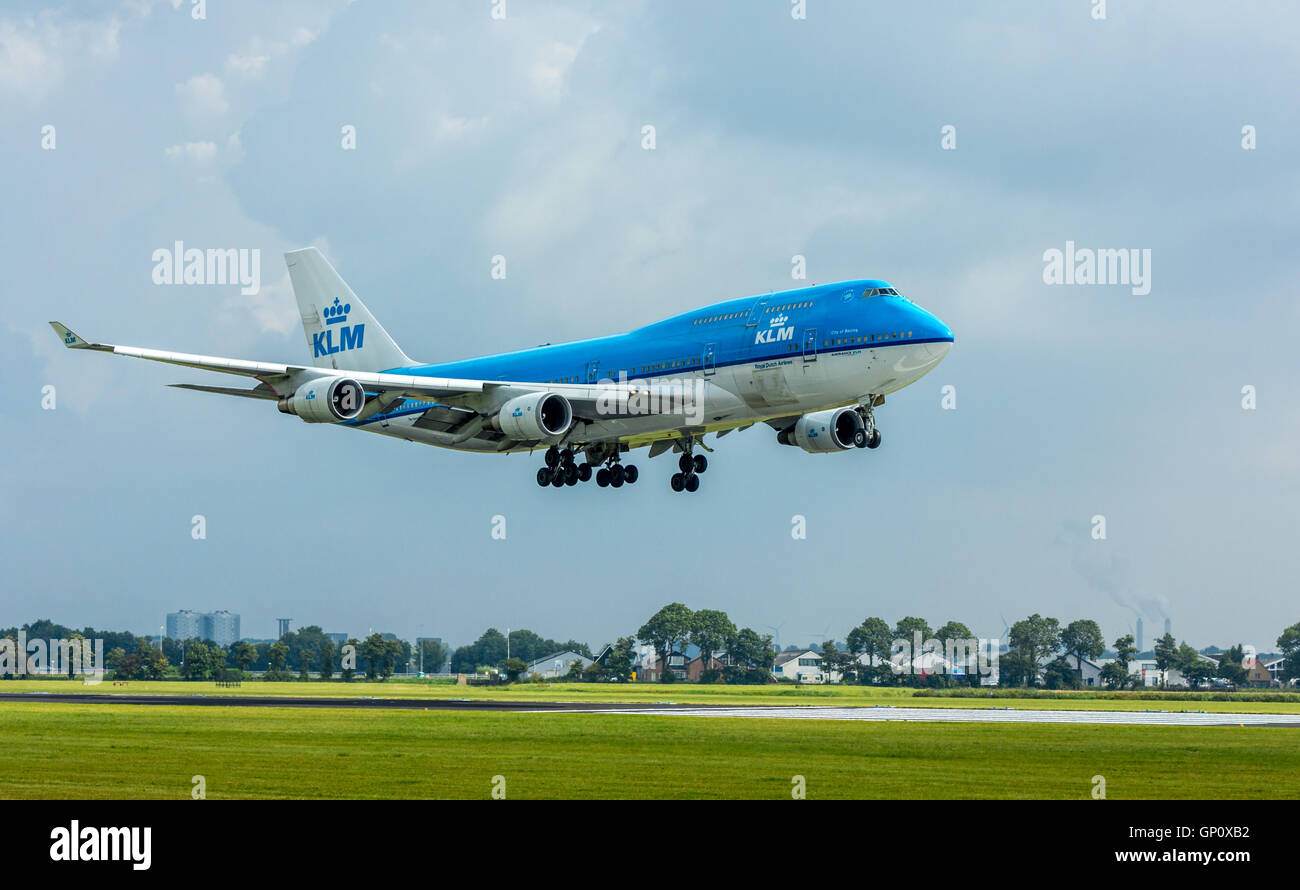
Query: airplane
[812,363]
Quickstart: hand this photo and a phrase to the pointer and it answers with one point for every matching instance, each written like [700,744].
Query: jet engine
[535,417]
[823,431]
[326,400]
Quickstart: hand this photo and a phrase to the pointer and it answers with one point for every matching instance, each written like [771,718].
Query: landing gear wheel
[570,475]
[557,476]
[678,482]
[543,476]
[692,482]
[630,474]
[584,472]
[860,438]
[701,463]
[616,475]
[566,457]
[874,441]
[602,477]
[684,463]
[552,456]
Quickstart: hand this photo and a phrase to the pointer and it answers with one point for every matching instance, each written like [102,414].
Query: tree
[373,650]
[907,628]
[752,657]
[873,639]
[431,656]
[1115,674]
[1289,643]
[244,654]
[622,656]
[348,658]
[666,630]
[1034,640]
[710,630]
[278,654]
[1166,653]
[1194,669]
[835,661]
[305,660]
[1231,665]
[326,655]
[1059,674]
[195,666]
[514,667]
[1082,639]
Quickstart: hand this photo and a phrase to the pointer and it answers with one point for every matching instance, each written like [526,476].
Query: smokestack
[1139,640]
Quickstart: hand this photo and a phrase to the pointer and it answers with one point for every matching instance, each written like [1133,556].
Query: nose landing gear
[869,435]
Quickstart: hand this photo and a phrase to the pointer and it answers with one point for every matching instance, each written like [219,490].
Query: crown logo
[338,313]
[778,321]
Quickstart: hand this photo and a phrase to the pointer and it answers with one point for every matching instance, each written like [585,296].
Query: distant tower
[284,626]
[1167,626]
[1140,649]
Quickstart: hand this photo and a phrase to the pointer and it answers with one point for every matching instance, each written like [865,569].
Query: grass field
[774,694]
[54,750]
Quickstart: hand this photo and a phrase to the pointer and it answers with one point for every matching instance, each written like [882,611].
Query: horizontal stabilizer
[257,392]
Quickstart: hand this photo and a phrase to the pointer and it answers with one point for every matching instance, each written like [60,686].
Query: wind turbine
[776,634]
[821,637]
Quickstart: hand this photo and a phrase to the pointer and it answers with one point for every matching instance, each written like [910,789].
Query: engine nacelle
[536,417]
[326,400]
[824,431]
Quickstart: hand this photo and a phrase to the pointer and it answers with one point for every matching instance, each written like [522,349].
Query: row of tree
[492,649]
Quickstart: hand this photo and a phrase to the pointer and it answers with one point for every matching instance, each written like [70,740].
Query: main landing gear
[691,466]
[562,469]
[869,435]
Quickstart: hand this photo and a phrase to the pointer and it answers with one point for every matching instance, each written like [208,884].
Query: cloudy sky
[775,136]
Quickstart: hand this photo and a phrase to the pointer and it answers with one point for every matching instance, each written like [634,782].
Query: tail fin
[340,329]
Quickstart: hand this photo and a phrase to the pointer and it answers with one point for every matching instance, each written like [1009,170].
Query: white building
[803,666]
[554,666]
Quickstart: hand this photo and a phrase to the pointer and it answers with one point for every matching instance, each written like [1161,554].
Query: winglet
[70,340]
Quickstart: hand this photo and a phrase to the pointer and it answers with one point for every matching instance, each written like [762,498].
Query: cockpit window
[870,292]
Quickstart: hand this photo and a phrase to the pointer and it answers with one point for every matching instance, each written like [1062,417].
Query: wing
[280,378]
[462,405]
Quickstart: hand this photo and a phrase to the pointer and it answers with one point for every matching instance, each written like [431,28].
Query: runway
[882,714]
[869,714]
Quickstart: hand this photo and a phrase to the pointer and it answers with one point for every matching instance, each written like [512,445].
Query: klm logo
[776,332]
[350,336]
[69,338]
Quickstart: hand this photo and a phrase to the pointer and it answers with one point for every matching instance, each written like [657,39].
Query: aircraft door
[708,359]
[810,344]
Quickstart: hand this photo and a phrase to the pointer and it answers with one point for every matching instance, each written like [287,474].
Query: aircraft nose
[937,333]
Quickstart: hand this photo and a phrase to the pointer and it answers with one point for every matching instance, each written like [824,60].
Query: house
[1262,674]
[651,668]
[696,666]
[1090,670]
[802,666]
[554,666]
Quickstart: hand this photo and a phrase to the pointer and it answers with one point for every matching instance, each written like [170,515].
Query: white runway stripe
[980,715]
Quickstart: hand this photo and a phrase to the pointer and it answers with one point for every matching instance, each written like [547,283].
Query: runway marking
[876,713]
[983,715]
